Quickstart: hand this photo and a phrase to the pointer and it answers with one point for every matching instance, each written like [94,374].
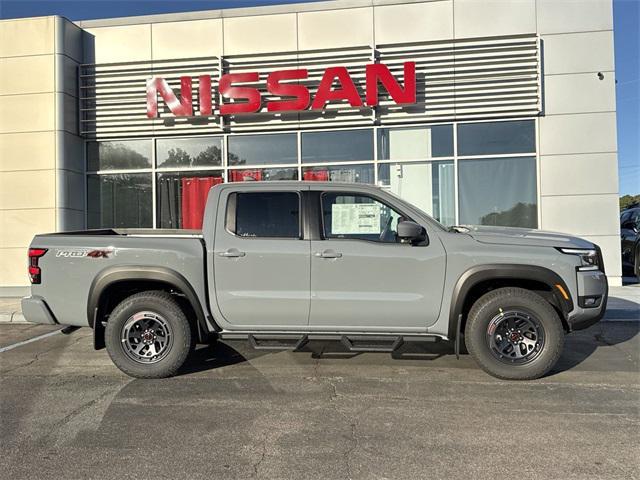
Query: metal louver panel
[458,79]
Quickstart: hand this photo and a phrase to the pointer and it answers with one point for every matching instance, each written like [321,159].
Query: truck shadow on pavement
[589,346]
[579,347]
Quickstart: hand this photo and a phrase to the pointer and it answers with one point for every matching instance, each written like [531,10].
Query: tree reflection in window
[189,152]
[520,215]
[127,155]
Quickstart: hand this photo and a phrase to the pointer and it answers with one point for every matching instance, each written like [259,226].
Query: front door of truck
[361,276]
[261,263]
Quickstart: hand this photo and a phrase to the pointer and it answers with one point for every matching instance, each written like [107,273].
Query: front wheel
[148,335]
[514,334]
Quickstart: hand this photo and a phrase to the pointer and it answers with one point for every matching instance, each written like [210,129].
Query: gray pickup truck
[283,263]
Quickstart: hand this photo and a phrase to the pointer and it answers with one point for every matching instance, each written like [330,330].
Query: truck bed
[70,256]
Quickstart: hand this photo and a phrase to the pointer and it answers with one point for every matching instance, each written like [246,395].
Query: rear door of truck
[261,261]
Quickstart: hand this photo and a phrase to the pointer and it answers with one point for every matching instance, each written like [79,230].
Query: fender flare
[122,273]
[500,271]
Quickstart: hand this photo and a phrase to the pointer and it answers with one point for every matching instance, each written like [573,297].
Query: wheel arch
[478,280]
[114,284]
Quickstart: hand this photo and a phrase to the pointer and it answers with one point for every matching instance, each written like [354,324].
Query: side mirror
[411,232]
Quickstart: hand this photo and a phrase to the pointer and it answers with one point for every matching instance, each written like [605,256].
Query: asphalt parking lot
[68,413]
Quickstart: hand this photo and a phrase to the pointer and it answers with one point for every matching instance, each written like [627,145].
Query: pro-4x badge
[86,252]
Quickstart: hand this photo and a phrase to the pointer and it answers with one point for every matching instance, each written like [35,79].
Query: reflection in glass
[494,138]
[428,186]
[346,173]
[189,152]
[500,191]
[119,155]
[337,146]
[182,197]
[263,149]
[263,174]
[415,143]
[119,201]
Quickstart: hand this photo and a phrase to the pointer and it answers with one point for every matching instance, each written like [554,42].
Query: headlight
[588,257]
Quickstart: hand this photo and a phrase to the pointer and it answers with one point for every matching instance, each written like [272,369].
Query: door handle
[328,254]
[232,253]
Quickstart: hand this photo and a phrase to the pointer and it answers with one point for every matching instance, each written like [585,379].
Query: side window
[265,214]
[355,216]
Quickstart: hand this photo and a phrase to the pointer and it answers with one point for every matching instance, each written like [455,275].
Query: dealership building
[496,112]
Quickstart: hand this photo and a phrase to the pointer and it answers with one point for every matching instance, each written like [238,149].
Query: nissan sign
[293,96]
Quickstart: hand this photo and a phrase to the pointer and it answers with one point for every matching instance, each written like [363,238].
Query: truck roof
[296,183]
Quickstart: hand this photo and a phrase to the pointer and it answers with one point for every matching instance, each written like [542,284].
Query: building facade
[496,112]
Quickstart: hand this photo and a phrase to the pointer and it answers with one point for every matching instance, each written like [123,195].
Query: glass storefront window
[337,146]
[262,174]
[340,173]
[119,155]
[417,163]
[119,201]
[496,138]
[181,198]
[500,191]
[415,143]
[263,149]
[189,152]
[428,186]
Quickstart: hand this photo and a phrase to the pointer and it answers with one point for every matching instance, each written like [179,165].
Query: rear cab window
[264,214]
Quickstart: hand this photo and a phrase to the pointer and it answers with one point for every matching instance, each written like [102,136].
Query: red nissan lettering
[299,92]
[250,94]
[180,108]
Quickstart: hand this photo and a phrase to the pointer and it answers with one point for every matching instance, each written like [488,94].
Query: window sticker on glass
[354,218]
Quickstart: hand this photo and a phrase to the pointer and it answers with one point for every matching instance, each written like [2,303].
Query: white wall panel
[352,27]
[561,16]
[194,38]
[32,74]
[414,22]
[578,52]
[581,214]
[578,133]
[127,43]
[579,93]
[27,36]
[474,18]
[588,173]
[260,34]
[27,113]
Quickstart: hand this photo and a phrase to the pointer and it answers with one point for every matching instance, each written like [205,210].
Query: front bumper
[36,310]
[593,292]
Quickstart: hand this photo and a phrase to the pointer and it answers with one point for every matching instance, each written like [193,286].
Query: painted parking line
[31,340]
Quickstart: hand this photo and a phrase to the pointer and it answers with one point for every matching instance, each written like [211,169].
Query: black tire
[149,306]
[504,309]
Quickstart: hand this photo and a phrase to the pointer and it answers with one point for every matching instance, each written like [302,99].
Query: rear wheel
[148,335]
[514,334]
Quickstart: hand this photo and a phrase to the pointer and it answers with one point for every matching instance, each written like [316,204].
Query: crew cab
[283,263]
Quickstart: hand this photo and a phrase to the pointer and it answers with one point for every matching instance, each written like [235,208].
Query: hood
[525,236]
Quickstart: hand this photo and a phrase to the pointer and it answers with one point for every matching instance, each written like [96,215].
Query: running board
[277,342]
[352,342]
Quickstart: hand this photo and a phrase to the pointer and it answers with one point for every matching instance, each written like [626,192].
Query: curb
[12,317]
